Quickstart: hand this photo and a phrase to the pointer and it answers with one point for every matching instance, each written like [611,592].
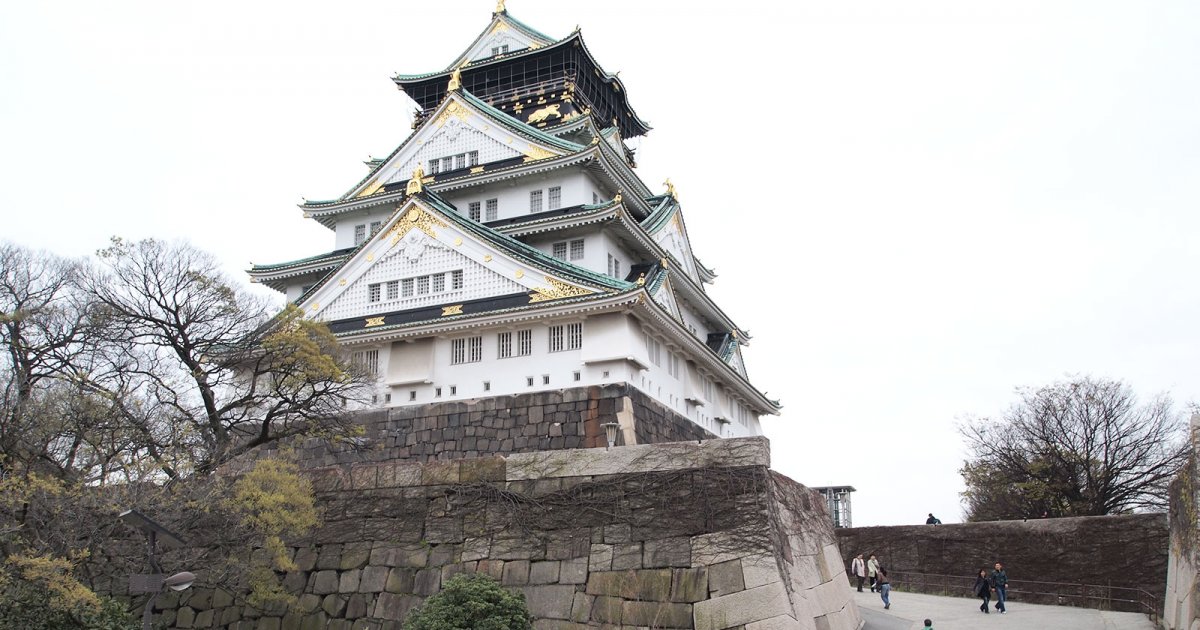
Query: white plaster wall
[344,230]
[513,195]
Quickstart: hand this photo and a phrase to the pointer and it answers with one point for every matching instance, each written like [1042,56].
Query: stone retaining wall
[1127,551]
[539,421]
[1181,609]
[682,535]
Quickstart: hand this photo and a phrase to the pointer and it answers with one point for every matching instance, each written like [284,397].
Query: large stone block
[516,573]
[645,584]
[373,579]
[549,601]
[782,622]
[627,556]
[400,580]
[607,609]
[657,615]
[725,578]
[759,570]
[689,585]
[325,582]
[544,572]
[393,607]
[573,571]
[742,608]
[348,581]
[729,452]
[667,552]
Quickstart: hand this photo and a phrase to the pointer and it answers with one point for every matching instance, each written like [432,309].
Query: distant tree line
[134,375]
[1081,447]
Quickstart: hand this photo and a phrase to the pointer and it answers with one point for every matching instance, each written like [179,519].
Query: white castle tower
[508,246]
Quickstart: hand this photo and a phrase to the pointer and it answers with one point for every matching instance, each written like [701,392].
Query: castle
[508,246]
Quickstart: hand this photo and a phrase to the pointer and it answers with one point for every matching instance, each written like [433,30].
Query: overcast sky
[914,207]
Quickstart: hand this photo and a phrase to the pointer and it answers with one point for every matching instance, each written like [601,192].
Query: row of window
[419,285]
[487,387]
[360,231]
[499,50]
[614,266]
[453,162]
[555,199]
[563,337]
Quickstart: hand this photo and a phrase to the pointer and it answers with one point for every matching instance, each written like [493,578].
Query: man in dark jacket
[1000,583]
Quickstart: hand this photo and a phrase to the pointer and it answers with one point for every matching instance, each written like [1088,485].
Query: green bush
[471,601]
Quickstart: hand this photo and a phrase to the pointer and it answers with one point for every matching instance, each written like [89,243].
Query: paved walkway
[909,611]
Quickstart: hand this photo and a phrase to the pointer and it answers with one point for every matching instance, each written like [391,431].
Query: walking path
[909,611]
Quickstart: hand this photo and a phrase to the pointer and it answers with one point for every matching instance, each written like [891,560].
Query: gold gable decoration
[415,184]
[556,291]
[415,218]
[537,153]
[453,109]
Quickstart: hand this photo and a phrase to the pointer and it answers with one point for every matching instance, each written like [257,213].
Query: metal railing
[1102,597]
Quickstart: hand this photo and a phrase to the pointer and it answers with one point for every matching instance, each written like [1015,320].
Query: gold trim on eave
[557,290]
[537,153]
[373,321]
[415,184]
[452,310]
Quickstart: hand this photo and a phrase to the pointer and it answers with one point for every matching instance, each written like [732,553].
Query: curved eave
[716,365]
[453,323]
[584,215]
[403,80]
[706,274]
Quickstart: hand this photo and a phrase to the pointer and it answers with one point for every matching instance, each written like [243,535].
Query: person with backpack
[983,590]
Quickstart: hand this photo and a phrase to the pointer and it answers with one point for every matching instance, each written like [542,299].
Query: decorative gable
[504,35]
[665,297]
[424,256]
[458,135]
[737,362]
[673,238]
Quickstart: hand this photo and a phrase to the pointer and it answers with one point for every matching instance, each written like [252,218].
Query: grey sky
[913,206]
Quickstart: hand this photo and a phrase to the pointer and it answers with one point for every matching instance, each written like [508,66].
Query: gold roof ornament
[499,7]
[414,185]
[455,79]
[671,189]
[617,199]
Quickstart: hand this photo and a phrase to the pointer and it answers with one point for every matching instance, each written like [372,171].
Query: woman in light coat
[858,569]
[873,571]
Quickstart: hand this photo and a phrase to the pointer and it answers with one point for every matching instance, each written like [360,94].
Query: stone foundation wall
[683,535]
[1181,609]
[540,421]
[1125,552]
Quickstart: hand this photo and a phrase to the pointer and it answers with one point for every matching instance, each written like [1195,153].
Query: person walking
[858,569]
[872,571]
[885,588]
[983,590]
[1000,583]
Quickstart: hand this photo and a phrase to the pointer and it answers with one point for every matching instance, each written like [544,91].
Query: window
[412,394]
[545,379]
[559,250]
[375,225]
[473,158]
[673,365]
[437,392]
[504,345]
[529,381]
[422,285]
[614,266]
[555,201]
[466,350]
[524,342]
[360,234]
[435,166]
[535,201]
[460,161]
[473,210]
[493,206]
[566,337]
[453,389]
[439,282]
[367,361]
[393,289]
[577,249]
[406,287]
[653,349]
[373,292]
[456,279]
[576,375]
[448,163]
[487,386]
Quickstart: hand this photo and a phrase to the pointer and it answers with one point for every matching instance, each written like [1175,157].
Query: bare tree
[1073,448]
[206,356]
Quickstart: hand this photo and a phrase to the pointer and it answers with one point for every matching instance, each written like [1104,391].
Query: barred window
[653,349]
[566,337]
[577,249]
[524,342]
[434,166]
[474,349]
[473,210]
[458,351]
[439,282]
[448,163]
[373,292]
[535,201]
[472,158]
[367,361]
[504,345]
[406,287]
[393,289]
[460,161]
[375,225]
[559,250]
[555,201]
[456,279]
[360,234]
[422,285]
[493,208]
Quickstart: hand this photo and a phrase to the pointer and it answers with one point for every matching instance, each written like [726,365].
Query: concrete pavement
[909,611]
